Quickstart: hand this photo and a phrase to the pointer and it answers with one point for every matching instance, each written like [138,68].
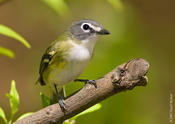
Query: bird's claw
[62,104]
[93,82]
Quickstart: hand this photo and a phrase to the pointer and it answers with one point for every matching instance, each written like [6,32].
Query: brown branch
[122,78]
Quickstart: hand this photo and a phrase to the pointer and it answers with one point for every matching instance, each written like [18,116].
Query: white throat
[82,51]
[89,44]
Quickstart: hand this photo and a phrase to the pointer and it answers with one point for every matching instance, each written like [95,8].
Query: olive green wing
[43,65]
[53,56]
[46,58]
[51,51]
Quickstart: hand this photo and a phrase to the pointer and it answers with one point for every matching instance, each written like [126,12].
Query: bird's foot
[60,99]
[62,104]
[93,82]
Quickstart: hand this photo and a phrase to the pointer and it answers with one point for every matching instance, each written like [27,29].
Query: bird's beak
[103,32]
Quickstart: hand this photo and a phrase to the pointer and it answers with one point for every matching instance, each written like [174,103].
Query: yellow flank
[61,47]
[54,67]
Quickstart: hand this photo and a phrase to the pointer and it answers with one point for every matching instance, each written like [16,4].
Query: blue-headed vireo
[66,58]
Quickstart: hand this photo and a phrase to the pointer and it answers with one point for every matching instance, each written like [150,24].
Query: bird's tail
[40,80]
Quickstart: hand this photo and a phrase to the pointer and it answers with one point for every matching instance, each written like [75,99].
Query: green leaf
[2,115]
[89,110]
[6,52]
[4,30]
[46,101]
[117,4]
[68,122]
[59,6]
[14,99]
[24,115]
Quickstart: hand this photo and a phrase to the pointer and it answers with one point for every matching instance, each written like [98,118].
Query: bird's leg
[60,99]
[87,81]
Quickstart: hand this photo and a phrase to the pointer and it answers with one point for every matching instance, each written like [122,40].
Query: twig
[122,78]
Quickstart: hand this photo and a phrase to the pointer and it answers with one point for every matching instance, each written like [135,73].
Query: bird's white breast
[77,59]
[78,53]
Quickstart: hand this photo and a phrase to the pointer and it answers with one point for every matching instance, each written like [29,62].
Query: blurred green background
[139,28]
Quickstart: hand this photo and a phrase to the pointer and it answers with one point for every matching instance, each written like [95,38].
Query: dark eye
[85,26]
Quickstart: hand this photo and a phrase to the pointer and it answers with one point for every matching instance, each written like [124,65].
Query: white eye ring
[85,27]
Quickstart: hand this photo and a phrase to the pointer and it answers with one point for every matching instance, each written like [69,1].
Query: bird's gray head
[86,29]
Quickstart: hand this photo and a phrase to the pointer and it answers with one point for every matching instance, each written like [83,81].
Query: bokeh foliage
[6,31]
[138,29]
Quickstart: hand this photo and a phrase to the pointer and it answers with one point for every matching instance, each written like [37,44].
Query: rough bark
[122,78]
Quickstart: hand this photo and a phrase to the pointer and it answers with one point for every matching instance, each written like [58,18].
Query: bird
[67,57]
